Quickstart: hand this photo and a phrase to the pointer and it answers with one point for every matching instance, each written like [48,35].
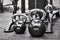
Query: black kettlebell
[37,31]
[20,29]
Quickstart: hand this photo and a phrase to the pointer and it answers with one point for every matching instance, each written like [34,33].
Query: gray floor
[5,20]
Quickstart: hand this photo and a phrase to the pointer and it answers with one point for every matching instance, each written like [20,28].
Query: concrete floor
[5,20]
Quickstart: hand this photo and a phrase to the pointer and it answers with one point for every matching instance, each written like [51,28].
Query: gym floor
[5,20]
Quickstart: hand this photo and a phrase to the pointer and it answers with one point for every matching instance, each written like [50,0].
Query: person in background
[1,6]
[14,2]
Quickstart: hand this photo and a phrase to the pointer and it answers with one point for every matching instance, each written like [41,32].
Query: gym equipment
[18,24]
[49,16]
[49,10]
[20,21]
[37,27]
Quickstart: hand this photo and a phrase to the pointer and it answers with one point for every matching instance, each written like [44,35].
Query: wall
[7,2]
[56,3]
